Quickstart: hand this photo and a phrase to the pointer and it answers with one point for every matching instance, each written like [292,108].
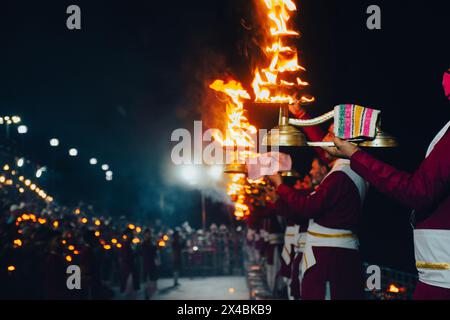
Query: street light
[93,161]
[22,129]
[40,171]
[73,152]
[105,167]
[193,174]
[20,162]
[109,173]
[54,142]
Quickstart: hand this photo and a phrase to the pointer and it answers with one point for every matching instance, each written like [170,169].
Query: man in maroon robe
[331,265]
[427,191]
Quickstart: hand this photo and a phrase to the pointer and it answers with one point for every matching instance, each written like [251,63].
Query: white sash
[301,242]
[290,240]
[431,247]
[432,252]
[437,139]
[319,236]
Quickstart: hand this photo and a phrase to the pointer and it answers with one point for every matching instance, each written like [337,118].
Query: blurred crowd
[117,258]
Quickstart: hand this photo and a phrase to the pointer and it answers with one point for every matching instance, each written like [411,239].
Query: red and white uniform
[427,191]
[331,264]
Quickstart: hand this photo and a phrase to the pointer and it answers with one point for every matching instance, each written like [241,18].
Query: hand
[276,180]
[343,149]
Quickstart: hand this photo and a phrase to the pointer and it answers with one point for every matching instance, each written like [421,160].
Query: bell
[381,140]
[284,135]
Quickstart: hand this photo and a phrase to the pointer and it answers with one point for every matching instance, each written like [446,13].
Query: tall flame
[239,133]
[278,82]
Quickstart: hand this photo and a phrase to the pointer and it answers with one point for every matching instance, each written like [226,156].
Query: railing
[211,262]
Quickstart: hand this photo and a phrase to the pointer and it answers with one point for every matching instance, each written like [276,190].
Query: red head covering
[446,83]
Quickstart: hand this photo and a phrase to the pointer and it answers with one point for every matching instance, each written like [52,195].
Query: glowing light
[84,220]
[71,248]
[54,142]
[22,129]
[97,222]
[16,119]
[195,248]
[131,226]
[105,167]
[11,268]
[119,246]
[18,243]
[55,224]
[136,240]
[40,171]
[138,229]
[73,152]
[6,167]
[42,221]
[69,258]
[97,233]
[161,243]
[165,237]
[93,161]
[107,247]
[114,241]
[393,288]
[20,162]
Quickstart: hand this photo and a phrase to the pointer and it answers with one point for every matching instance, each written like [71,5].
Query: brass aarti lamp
[287,135]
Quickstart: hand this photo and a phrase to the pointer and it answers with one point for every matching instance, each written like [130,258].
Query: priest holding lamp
[427,192]
[331,266]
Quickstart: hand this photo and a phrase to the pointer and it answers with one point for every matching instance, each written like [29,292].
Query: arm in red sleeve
[325,197]
[419,190]
[314,133]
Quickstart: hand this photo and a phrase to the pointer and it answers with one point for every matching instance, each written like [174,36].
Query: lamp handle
[312,122]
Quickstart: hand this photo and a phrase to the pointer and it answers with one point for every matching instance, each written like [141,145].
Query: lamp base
[285,136]
[381,140]
[235,168]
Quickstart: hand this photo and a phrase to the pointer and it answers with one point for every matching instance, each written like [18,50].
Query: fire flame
[239,129]
[275,83]
[239,133]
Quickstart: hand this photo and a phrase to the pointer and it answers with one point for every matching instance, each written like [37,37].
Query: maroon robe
[335,204]
[427,191]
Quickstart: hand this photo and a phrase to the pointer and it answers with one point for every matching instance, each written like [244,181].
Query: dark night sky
[137,69]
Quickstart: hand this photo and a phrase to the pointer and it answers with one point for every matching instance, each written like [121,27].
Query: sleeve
[418,190]
[316,203]
[314,133]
